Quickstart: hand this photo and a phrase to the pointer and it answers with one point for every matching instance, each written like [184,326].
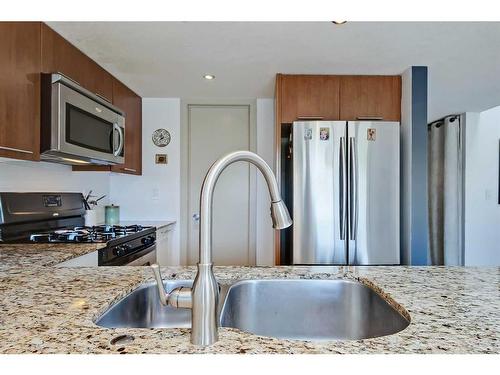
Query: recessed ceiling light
[339,22]
[209,76]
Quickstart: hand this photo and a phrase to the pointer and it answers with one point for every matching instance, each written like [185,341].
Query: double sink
[281,308]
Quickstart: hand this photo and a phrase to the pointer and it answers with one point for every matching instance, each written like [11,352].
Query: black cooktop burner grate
[99,233]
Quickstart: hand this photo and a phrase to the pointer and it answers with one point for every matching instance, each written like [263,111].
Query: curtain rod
[442,119]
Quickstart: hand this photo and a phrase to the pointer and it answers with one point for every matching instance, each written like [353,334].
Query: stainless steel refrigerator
[346,192]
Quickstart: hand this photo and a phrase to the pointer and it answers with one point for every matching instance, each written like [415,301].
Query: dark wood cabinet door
[309,97]
[20,90]
[131,104]
[59,55]
[370,97]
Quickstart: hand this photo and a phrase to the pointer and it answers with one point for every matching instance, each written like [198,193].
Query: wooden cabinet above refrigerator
[331,97]
[303,97]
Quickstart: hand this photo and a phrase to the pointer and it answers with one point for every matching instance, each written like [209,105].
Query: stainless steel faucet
[203,297]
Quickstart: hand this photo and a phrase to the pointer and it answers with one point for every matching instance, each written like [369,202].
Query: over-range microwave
[79,127]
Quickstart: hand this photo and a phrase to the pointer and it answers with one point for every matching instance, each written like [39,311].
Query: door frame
[185,148]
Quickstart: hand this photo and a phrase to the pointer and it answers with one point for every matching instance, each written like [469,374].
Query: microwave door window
[86,130]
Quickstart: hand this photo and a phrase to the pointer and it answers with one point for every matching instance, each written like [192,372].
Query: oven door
[143,257]
[145,260]
[85,127]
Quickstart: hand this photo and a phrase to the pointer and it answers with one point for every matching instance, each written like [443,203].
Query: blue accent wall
[419,211]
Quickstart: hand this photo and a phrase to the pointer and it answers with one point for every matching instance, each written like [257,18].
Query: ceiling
[169,59]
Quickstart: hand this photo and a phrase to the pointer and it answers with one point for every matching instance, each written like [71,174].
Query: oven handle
[120,136]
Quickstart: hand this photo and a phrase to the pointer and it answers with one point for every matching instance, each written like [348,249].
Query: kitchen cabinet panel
[20,90]
[370,97]
[309,96]
[59,55]
[131,104]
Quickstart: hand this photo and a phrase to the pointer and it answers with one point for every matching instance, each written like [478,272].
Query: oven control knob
[145,240]
[121,250]
[151,239]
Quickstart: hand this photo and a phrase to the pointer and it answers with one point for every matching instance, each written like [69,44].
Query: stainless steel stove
[58,218]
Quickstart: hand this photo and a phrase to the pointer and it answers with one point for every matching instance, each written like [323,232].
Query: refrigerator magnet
[308,134]
[324,134]
[371,134]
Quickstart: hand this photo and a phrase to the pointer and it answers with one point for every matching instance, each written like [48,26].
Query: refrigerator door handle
[353,190]
[343,189]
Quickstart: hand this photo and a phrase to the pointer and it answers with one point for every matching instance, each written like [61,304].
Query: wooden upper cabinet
[370,97]
[20,90]
[129,102]
[59,55]
[308,97]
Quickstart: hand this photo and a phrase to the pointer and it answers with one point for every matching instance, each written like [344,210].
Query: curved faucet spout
[205,292]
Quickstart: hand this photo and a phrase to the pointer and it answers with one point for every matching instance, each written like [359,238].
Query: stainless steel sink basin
[309,310]
[291,309]
[142,309]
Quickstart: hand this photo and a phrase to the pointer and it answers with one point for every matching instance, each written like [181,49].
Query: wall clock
[161,137]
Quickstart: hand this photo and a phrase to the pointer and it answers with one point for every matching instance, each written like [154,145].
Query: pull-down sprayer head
[280,215]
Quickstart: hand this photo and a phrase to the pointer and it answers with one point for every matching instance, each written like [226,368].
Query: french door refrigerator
[346,192]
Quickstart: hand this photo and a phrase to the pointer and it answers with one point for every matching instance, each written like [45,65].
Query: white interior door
[215,130]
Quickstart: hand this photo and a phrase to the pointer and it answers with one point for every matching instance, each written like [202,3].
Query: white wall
[482,211]
[27,176]
[156,194]
[265,148]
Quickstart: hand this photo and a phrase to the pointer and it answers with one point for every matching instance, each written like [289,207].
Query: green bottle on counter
[112,215]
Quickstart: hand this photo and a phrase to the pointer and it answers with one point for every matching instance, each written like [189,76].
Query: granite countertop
[49,254]
[51,310]
[43,254]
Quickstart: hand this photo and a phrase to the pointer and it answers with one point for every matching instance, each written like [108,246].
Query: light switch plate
[161,159]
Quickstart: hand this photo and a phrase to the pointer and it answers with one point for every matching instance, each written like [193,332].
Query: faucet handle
[179,297]
[159,284]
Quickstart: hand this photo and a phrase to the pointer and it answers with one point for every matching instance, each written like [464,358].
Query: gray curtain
[445,188]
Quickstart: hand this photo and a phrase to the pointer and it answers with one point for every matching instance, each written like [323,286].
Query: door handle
[370,118]
[343,188]
[353,190]
[120,137]
[310,117]
[15,150]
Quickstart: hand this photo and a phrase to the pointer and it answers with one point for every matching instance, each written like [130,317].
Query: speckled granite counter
[42,254]
[51,310]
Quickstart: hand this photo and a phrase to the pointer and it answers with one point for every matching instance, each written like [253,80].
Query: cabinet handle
[15,149]
[372,118]
[103,97]
[130,169]
[310,117]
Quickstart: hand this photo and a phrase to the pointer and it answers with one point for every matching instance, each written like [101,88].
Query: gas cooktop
[99,233]
[59,218]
